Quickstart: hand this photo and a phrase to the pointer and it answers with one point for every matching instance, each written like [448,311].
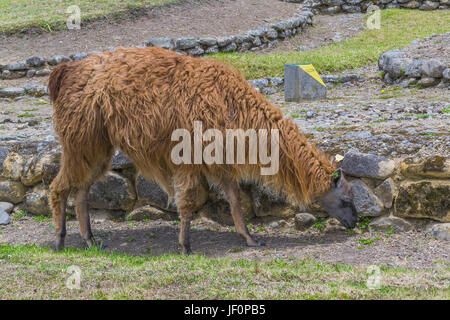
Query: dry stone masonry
[353,6]
[424,63]
[257,39]
[403,188]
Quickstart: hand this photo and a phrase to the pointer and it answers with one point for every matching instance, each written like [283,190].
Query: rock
[3,155]
[424,199]
[407,82]
[269,90]
[222,42]
[212,50]
[432,68]
[36,201]
[271,34]
[31,73]
[13,166]
[367,165]
[386,58]
[18,66]
[229,48]
[333,225]
[366,203]
[78,56]
[428,82]
[304,220]
[276,81]
[209,42]
[432,167]
[12,191]
[166,43]
[196,51]
[4,217]
[387,223]
[120,161]
[413,69]
[35,168]
[36,90]
[440,231]
[112,192]
[55,60]
[446,74]
[429,5]
[185,43]
[42,73]
[351,9]
[151,213]
[259,83]
[386,192]
[35,61]
[149,192]
[6,206]
[11,92]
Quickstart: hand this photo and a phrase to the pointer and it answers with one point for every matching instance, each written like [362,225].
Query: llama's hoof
[186,251]
[58,246]
[254,243]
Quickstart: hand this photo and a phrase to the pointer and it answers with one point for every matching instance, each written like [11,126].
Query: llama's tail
[55,80]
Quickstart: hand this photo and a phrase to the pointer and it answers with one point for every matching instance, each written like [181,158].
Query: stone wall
[257,39]
[408,188]
[353,6]
[424,63]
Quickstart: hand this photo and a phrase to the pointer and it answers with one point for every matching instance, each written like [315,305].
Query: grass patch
[399,27]
[32,272]
[51,15]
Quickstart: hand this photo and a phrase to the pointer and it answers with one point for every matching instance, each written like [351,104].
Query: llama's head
[338,202]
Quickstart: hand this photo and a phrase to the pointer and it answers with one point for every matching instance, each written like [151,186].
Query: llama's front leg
[83,215]
[231,190]
[184,238]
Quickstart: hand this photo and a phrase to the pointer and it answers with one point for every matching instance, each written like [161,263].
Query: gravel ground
[212,18]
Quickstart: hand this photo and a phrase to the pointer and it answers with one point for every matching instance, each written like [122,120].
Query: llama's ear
[336,178]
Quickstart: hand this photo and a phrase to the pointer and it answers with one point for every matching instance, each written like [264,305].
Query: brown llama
[133,99]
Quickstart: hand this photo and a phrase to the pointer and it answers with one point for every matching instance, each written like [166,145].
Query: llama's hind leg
[231,189]
[59,191]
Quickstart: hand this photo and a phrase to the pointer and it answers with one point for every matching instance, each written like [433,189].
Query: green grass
[32,272]
[399,27]
[51,15]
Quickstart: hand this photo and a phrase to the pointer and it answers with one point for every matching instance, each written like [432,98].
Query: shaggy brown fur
[133,99]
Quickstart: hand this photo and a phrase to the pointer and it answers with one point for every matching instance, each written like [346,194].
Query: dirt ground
[413,249]
[189,18]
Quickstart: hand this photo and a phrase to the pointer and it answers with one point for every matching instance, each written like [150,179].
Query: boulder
[432,167]
[151,213]
[12,191]
[304,220]
[367,165]
[38,167]
[8,207]
[440,231]
[386,192]
[149,192]
[387,223]
[163,42]
[13,166]
[55,60]
[432,68]
[4,217]
[186,43]
[366,202]
[36,201]
[424,199]
[113,192]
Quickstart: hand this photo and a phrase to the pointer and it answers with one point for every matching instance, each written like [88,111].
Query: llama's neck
[304,171]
